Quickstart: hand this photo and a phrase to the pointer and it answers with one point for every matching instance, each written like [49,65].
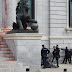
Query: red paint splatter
[5,27]
[5,8]
[5,13]
[4,31]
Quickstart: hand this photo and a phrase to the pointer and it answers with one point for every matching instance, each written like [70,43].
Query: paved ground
[60,69]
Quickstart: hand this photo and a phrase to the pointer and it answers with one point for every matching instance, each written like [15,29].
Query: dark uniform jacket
[54,53]
[57,52]
[44,52]
[66,52]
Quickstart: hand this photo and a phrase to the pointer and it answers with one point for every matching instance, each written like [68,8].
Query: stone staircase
[5,52]
[8,62]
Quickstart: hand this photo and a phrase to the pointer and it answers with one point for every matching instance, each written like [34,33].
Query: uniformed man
[66,55]
[57,55]
[69,56]
[44,53]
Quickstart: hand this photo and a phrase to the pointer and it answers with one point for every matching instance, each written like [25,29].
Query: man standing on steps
[44,53]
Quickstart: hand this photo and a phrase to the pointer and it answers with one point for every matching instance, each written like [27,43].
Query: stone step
[8,62]
[11,58]
[7,59]
[3,59]
[3,45]
[1,40]
[5,52]
[6,55]
[5,49]
[1,37]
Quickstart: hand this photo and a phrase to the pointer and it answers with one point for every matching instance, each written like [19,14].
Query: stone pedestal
[27,48]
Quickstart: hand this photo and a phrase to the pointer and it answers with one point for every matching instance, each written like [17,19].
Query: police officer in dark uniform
[57,55]
[69,56]
[66,55]
[44,53]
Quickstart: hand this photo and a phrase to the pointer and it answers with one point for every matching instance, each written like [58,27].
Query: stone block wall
[58,17]
[52,21]
[46,43]
[42,12]
[27,51]
[58,25]
[10,16]
[11,12]
[0,13]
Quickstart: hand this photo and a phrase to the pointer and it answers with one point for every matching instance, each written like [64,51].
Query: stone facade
[58,18]
[52,21]
[58,24]
[10,16]
[0,13]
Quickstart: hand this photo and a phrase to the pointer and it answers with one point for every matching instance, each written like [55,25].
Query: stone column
[0,13]
[42,15]
[9,12]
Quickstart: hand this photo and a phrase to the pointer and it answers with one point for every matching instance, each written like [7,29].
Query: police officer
[66,55]
[54,53]
[44,53]
[69,56]
[57,55]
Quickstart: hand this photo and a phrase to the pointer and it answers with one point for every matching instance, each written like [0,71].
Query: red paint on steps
[6,53]
[5,50]
[3,47]
[2,44]
[10,60]
[8,49]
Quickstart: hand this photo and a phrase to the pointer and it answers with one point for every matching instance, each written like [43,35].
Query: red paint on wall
[5,13]
[5,8]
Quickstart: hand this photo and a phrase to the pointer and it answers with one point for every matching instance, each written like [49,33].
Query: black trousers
[70,59]
[57,58]
[64,60]
[67,58]
[44,61]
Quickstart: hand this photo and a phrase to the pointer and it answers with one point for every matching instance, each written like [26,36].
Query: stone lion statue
[23,17]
